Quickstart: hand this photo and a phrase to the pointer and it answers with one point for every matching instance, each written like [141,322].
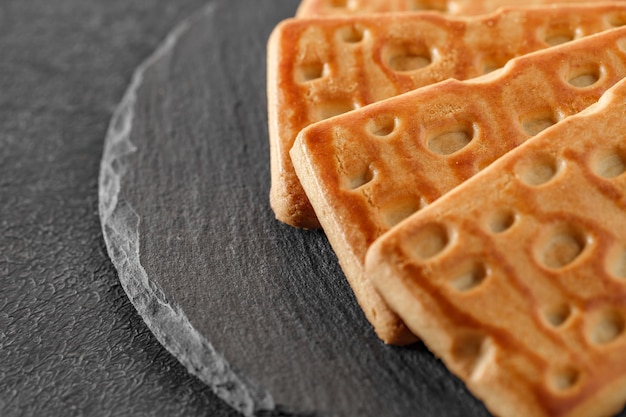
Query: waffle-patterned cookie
[517,278]
[310,8]
[367,170]
[322,67]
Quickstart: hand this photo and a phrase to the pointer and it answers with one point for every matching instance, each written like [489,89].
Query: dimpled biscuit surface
[309,8]
[367,170]
[516,279]
[318,68]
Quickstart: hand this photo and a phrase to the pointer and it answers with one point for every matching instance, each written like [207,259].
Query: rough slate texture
[71,343]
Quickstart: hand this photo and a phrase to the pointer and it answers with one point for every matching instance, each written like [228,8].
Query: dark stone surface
[71,343]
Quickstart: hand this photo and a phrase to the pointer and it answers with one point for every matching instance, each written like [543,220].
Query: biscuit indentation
[362,178]
[450,142]
[490,66]
[382,126]
[352,34]
[617,263]
[395,213]
[561,246]
[469,276]
[564,378]
[408,57]
[617,19]
[430,240]
[439,6]
[584,79]
[471,352]
[557,315]
[535,125]
[536,170]
[311,72]
[607,326]
[338,4]
[559,37]
[609,164]
[501,220]
[332,108]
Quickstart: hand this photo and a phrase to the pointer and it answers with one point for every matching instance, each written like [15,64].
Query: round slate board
[257,310]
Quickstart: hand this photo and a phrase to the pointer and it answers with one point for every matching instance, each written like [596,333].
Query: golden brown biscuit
[517,278]
[322,67]
[367,170]
[312,8]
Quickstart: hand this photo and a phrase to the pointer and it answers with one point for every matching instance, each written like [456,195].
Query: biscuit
[322,67]
[367,170]
[516,279]
[312,8]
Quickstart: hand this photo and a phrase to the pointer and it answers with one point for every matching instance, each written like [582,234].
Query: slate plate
[257,310]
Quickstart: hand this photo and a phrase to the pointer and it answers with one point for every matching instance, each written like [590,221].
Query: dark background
[70,341]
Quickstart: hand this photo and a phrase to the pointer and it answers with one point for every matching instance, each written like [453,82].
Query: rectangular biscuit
[322,67]
[516,279]
[367,170]
[313,8]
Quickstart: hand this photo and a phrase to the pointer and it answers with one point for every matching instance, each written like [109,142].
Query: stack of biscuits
[467,162]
